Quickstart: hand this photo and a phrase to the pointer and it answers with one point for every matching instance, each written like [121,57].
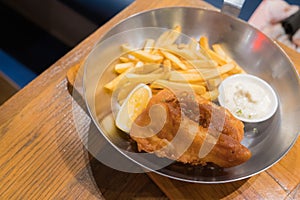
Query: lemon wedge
[133,106]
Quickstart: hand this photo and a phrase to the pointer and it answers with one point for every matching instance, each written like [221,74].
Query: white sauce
[247,99]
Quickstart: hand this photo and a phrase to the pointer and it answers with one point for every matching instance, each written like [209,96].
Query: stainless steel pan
[254,51]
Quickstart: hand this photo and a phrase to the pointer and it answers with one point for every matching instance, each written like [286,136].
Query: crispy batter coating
[190,129]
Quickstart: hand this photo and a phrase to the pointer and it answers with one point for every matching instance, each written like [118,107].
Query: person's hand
[267,18]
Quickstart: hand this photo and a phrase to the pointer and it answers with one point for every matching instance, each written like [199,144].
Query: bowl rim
[107,35]
[269,90]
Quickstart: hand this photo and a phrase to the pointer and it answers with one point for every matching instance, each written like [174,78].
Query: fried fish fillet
[189,129]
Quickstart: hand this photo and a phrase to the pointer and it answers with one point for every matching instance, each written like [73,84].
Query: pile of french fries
[166,64]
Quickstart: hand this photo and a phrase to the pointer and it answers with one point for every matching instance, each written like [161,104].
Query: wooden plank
[279,182]
[287,171]
[42,156]
[252,188]
[295,194]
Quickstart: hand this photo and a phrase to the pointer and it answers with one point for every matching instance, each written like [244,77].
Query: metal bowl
[268,141]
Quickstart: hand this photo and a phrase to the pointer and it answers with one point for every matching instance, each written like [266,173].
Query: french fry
[208,74]
[204,42]
[219,50]
[211,95]
[182,77]
[202,64]
[165,63]
[174,59]
[236,70]
[158,71]
[142,55]
[199,75]
[111,86]
[181,46]
[132,58]
[193,44]
[213,55]
[216,57]
[124,59]
[168,37]
[139,64]
[122,67]
[223,76]
[149,45]
[143,78]
[146,68]
[160,84]
[213,83]
[186,53]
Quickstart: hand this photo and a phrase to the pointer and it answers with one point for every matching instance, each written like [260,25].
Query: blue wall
[19,73]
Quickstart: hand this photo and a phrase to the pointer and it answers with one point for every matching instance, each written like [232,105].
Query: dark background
[28,45]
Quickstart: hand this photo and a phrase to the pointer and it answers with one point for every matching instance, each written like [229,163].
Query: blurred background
[37,33]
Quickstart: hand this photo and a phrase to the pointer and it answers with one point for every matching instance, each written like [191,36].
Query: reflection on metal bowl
[257,54]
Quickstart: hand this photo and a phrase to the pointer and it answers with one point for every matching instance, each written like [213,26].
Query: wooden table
[42,157]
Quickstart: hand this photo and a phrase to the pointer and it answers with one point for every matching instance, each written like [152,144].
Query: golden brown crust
[195,140]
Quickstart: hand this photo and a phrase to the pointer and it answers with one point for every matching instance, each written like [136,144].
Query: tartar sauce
[247,100]
[248,97]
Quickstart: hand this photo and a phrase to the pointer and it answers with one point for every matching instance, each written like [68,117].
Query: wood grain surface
[43,157]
